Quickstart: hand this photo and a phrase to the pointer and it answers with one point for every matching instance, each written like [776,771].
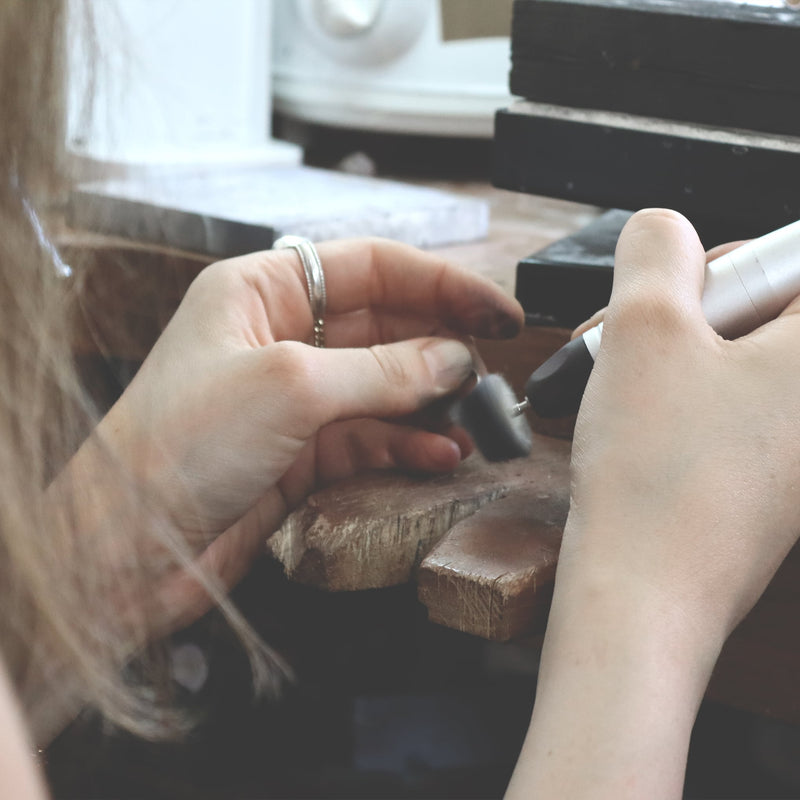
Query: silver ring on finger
[315,280]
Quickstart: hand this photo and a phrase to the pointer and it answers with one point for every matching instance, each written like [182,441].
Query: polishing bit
[742,290]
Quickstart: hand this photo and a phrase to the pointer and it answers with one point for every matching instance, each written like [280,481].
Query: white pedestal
[168,87]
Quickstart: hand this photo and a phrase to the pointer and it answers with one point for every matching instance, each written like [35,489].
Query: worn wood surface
[373,531]
[497,545]
[492,574]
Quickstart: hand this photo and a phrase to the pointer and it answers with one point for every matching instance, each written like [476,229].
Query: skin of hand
[600,314]
[685,468]
[233,419]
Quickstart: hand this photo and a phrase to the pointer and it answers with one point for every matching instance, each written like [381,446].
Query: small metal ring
[315,280]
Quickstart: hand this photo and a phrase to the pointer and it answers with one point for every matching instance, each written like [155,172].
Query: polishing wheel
[490,414]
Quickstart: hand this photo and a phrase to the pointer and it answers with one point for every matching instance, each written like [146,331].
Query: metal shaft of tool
[520,408]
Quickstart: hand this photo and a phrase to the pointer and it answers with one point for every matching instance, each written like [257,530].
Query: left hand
[232,420]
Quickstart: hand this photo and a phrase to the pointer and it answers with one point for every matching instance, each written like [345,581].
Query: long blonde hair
[56,647]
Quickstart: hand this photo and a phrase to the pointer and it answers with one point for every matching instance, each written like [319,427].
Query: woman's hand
[687,448]
[685,468]
[232,419]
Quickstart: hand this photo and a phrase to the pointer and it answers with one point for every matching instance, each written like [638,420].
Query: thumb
[385,380]
[658,269]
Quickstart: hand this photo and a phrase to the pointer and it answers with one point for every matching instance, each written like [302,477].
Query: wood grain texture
[373,531]
[492,575]
[507,534]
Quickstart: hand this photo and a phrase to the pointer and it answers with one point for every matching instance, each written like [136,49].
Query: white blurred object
[176,85]
[347,17]
[384,65]
[189,666]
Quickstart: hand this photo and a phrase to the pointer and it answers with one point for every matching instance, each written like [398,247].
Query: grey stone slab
[227,214]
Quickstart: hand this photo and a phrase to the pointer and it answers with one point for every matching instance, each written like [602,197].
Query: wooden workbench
[481,544]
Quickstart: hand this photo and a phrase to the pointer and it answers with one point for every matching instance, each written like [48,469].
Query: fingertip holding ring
[315,280]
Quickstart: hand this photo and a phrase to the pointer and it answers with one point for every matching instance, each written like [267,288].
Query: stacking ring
[315,279]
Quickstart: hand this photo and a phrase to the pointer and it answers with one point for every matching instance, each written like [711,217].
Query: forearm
[97,499]
[117,561]
[87,507]
[621,678]
[116,512]
[684,503]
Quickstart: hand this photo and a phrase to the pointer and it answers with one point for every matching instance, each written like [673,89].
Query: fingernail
[507,327]
[450,363]
[495,325]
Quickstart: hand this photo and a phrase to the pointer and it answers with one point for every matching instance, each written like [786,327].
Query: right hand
[686,456]
[685,468]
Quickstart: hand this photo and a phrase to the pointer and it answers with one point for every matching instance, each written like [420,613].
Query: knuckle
[641,312]
[391,366]
[215,278]
[291,366]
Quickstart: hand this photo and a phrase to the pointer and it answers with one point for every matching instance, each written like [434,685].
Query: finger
[366,327]
[658,272]
[590,323]
[793,309]
[378,273]
[333,384]
[721,249]
[343,449]
[461,438]
[347,448]
[437,417]
[181,598]
[599,316]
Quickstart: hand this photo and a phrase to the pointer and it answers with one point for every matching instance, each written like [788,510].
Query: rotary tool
[743,289]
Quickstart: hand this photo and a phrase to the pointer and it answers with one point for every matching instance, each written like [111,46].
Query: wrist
[649,557]
[648,621]
[625,620]
[97,497]
[622,674]
[631,637]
